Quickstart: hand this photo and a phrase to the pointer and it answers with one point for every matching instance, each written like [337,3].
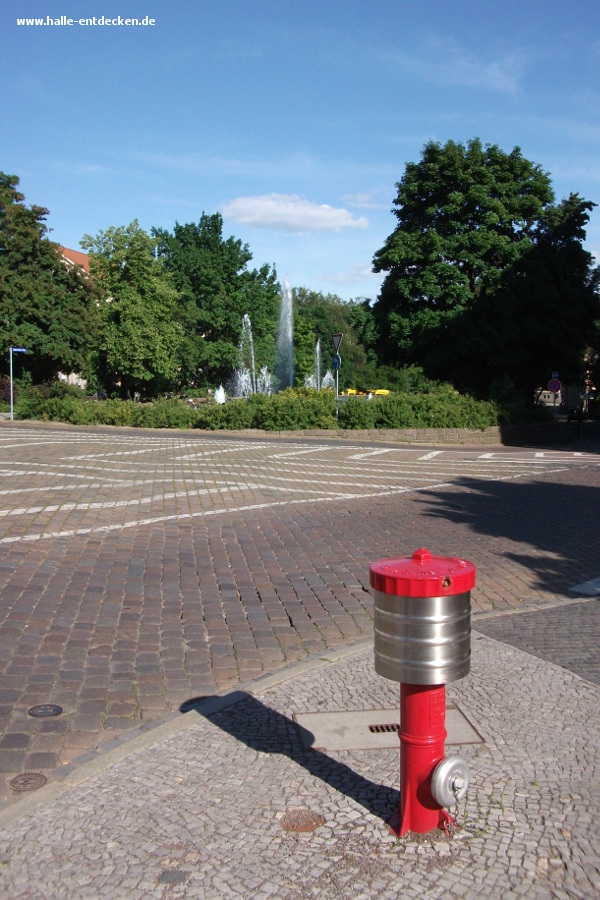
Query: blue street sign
[337,361]
[19,349]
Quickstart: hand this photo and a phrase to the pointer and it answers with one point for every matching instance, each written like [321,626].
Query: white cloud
[176,202]
[363,201]
[442,60]
[81,168]
[290,212]
[361,272]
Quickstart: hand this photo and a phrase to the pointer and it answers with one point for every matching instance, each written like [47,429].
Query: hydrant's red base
[422,737]
[395,824]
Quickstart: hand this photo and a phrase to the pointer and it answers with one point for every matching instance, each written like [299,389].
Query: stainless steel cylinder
[423,640]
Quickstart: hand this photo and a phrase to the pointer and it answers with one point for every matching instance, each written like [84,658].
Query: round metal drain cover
[301,820]
[28,781]
[45,709]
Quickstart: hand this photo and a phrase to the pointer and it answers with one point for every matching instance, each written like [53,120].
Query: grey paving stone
[251,580]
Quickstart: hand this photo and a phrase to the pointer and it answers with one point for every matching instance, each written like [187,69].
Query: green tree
[487,277]
[364,329]
[216,290]
[139,339]
[46,305]
[318,316]
[465,214]
[541,316]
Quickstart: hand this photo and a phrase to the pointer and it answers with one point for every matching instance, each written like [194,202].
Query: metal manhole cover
[301,820]
[172,876]
[28,781]
[45,709]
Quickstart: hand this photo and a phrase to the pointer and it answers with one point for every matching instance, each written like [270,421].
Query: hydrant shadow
[267,731]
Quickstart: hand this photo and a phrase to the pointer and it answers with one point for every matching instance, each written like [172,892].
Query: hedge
[293,409]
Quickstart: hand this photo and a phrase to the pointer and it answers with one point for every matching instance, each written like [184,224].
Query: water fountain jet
[285,338]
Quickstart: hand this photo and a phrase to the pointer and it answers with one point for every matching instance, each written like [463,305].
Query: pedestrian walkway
[212,803]
[196,604]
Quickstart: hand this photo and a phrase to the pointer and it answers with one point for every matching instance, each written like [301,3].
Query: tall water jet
[285,338]
[246,353]
[245,380]
[264,382]
[314,379]
[318,364]
[241,383]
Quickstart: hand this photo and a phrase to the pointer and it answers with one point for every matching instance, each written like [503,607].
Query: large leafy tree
[139,337]
[482,269]
[541,317]
[217,289]
[46,305]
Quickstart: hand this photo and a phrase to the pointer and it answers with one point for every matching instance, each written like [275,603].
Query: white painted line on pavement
[297,453]
[369,453]
[115,453]
[48,487]
[589,588]
[431,455]
[102,456]
[176,517]
[201,453]
[131,482]
[117,504]
[43,443]
[314,471]
[56,472]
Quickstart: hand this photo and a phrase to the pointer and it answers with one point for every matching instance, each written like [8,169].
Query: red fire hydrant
[423,640]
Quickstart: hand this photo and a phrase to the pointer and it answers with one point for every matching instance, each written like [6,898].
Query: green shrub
[233,416]
[297,408]
[291,410]
[118,412]
[396,411]
[358,413]
[5,393]
[74,410]
[164,414]
[31,403]
[444,409]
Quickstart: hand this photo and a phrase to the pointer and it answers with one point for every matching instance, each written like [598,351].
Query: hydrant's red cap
[423,575]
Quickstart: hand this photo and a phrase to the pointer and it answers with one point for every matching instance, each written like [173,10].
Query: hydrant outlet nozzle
[450,781]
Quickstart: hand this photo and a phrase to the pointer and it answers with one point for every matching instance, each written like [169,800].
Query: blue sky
[292,118]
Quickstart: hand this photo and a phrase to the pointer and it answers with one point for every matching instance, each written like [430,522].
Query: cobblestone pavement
[205,811]
[567,635]
[139,569]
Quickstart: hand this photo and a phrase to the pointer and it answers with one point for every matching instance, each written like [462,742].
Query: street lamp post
[13,350]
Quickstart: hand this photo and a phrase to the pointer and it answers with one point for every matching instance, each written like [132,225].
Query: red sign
[554,386]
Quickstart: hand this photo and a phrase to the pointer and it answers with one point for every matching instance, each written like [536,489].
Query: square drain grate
[384,729]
